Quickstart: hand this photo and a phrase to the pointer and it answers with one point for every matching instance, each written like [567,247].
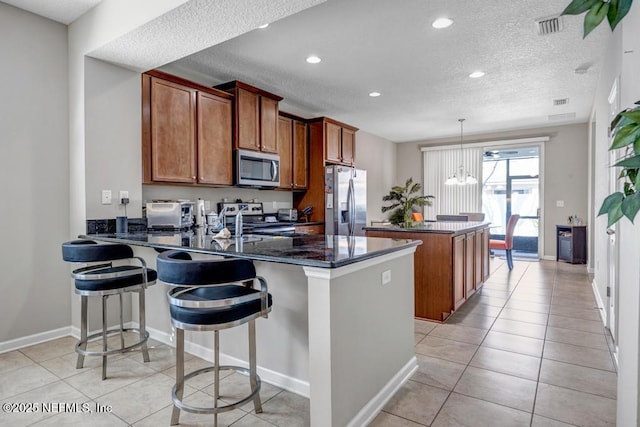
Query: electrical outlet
[207,205]
[559,203]
[386,277]
[106,197]
[123,195]
[275,205]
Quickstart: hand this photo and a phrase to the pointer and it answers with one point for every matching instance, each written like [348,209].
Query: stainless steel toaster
[170,214]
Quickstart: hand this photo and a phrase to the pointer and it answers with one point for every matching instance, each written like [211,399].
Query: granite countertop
[315,250]
[445,227]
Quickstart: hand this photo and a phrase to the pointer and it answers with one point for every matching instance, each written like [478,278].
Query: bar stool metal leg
[143,324]
[121,324]
[257,404]
[216,375]
[83,330]
[104,336]
[175,415]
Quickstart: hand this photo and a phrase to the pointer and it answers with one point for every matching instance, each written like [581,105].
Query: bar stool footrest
[93,337]
[215,410]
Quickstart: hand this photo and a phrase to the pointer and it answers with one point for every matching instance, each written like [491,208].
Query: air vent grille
[550,25]
[560,101]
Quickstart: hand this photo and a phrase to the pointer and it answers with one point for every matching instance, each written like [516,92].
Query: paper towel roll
[200,215]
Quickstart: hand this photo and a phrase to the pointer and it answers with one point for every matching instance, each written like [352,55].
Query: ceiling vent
[566,116]
[560,101]
[550,25]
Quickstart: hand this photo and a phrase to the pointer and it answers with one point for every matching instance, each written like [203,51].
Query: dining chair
[506,244]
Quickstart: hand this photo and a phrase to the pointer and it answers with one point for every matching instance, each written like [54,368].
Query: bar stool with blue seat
[211,295]
[102,278]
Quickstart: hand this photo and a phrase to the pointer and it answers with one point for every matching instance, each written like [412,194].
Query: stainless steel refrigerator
[345,208]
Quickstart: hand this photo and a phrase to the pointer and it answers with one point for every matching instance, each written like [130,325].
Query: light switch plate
[559,203]
[106,197]
[386,277]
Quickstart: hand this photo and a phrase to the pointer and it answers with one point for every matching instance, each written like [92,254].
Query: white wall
[629,308]
[565,170]
[113,153]
[377,156]
[34,172]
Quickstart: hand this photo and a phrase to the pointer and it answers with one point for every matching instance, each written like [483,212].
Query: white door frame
[530,142]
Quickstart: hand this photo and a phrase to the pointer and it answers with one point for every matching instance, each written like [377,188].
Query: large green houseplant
[626,125]
[403,199]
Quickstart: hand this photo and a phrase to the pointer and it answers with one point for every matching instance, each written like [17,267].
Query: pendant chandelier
[461,176]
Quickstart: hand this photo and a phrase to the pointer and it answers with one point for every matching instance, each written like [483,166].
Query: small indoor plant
[626,128]
[403,199]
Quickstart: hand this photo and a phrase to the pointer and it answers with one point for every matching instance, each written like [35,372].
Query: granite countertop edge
[291,260]
[436,227]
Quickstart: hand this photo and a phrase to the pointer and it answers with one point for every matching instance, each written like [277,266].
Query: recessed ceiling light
[442,23]
[374,94]
[476,74]
[263,26]
[313,59]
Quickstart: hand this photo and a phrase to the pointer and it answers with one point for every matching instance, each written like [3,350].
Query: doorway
[511,185]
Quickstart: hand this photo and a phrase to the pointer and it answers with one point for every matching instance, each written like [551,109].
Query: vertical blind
[452,199]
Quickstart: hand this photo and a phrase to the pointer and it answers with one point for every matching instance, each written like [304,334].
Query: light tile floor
[527,350]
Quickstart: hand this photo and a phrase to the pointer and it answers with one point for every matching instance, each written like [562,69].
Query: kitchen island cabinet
[323,289]
[449,266]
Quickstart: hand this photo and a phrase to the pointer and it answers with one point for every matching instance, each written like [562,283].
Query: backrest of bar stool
[90,251]
[177,268]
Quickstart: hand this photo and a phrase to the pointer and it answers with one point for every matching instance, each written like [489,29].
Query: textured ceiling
[63,11]
[422,73]
[376,45]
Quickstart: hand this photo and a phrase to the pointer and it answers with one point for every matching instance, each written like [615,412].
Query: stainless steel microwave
[257,169]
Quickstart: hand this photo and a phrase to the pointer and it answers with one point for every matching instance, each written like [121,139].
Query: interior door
[612,248]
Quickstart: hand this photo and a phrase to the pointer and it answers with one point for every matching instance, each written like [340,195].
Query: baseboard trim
[369,411]
[601,306]
[549,258]
[34,339]
[274,378]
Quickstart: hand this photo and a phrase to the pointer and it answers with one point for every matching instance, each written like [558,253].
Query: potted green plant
[626,128]
[626,125]
[596,10]
[403,199]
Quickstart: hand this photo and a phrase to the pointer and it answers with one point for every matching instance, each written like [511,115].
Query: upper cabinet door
[173,132]
[248,121]
[300,155]
[348,146]
[286,152]
[332,141]
[268,125]
[214,140]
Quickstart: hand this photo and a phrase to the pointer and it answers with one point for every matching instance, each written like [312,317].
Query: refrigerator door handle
[351,206]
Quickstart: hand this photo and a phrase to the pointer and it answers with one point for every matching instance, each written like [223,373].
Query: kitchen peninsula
[450,266]
[341,328]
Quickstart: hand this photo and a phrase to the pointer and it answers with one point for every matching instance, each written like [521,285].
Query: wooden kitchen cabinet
[285,144]
[445,263]
[214,118]
[325,146]
[300,155]
[256,117]
[292,147]
[458,245]
[186,132]
[469,264]
[338,140]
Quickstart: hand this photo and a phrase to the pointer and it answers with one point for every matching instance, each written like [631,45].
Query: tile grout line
[474,354]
